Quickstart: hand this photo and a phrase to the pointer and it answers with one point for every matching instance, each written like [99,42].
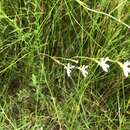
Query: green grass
[39,37]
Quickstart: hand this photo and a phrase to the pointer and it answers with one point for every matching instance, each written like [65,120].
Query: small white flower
[103,64]
[69,69]
[83,70]
[126,68]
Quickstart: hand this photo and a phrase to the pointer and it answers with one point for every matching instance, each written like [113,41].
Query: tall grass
[39,37]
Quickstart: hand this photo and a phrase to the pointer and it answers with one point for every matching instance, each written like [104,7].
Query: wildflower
[126,68]
[83,70]
[69,69]
[103,64]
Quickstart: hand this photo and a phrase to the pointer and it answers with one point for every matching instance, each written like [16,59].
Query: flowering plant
[103,64]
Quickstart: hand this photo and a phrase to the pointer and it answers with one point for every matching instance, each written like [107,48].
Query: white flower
[126,68]
[69,69]
[83,70]
[103,64]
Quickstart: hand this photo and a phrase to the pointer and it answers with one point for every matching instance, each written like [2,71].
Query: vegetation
[38,38]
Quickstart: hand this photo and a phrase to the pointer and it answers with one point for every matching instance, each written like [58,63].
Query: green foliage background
[35,92]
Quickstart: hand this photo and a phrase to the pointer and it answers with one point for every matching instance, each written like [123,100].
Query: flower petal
[125,73]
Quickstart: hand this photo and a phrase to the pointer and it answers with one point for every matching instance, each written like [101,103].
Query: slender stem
[99,12]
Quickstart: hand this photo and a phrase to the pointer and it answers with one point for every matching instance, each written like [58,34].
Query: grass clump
[38,39]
